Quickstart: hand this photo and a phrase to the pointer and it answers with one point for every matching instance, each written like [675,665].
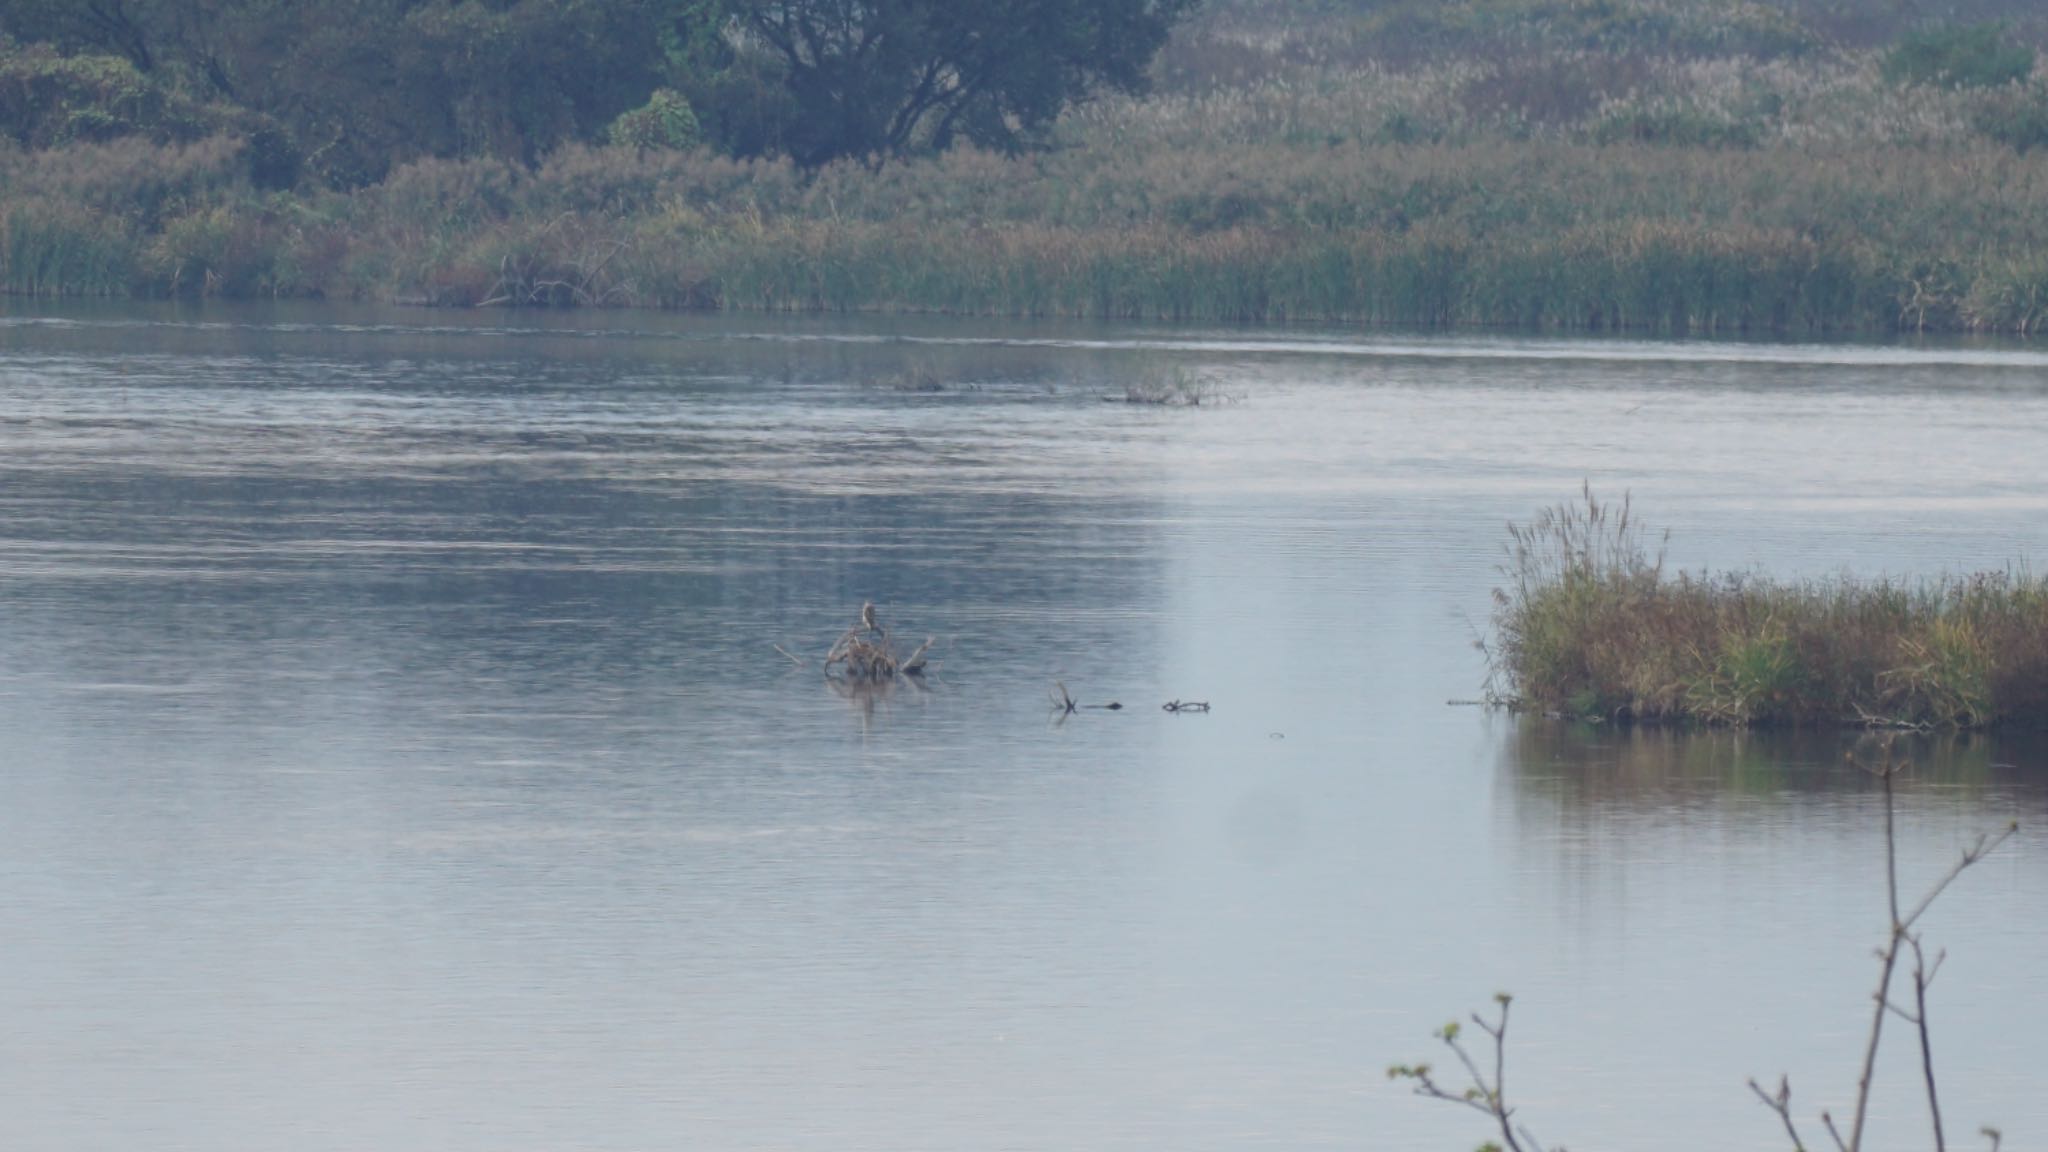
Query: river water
[395,754]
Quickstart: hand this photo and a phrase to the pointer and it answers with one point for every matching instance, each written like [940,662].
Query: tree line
[341,91]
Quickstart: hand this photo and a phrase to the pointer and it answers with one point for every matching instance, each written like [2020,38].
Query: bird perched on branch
[867,617]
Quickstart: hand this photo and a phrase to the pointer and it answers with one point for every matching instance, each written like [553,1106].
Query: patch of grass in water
[1591,624]
[1176,388]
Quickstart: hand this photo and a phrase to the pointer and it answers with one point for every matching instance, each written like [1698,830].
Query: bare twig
[793,657]
[1971,855]
[1900,938]
[1781,1103]
[1828,1119]
[1922,977]
[1888,958]
[914,664]
[1871,720]
[1484,1097]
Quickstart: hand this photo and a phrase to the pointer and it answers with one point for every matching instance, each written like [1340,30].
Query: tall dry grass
[1283,172]
[1592,624]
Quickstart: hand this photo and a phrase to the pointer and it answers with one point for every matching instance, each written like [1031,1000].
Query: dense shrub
[1959,56]
[131,179]
[49,100]
[666,121]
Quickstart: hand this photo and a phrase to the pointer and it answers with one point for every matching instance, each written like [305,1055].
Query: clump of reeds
[866,653]
[1590,624]
[1177,388]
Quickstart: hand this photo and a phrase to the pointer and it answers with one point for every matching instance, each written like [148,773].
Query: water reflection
[1584,770]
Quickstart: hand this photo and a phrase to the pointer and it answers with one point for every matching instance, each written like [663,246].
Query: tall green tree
[361,85]
[874,79]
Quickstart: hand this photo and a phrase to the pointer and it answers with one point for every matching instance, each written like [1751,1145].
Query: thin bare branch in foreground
[1781,1103]
[1484,1097]
[1898,940]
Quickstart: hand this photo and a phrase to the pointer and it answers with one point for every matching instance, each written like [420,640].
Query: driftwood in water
[1063,700]
[1064,704]
[867,654]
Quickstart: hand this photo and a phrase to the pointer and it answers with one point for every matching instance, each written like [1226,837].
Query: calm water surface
[395,755]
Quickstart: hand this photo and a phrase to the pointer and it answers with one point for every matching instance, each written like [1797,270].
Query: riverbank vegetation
[1592,624]
[1654,165]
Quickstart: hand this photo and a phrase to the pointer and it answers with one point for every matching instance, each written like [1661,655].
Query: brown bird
[867,617]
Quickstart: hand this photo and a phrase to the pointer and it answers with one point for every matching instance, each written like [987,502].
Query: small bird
[867,617]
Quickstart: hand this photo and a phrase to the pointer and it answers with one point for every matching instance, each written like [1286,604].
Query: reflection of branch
[1063,700]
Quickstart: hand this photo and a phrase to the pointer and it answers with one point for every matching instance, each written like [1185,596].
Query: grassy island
[1592,625]
[1602,165]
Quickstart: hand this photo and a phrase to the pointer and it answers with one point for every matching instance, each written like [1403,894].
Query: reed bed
[1625,237]
[1591,624]
[1694,181]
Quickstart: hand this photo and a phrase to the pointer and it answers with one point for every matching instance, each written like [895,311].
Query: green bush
[224,250]
[666,121]
[1959,56]
[48,100]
